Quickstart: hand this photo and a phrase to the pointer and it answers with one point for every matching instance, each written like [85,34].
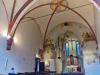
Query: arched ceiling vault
[70,29]
[13,10]
[46,18]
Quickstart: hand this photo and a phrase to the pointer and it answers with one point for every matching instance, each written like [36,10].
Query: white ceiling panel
[44,14]
[58,19]
[77,3]
[43,23]
[42,11]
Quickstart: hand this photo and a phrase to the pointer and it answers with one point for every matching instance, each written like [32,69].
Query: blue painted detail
[77,48]
[67,49]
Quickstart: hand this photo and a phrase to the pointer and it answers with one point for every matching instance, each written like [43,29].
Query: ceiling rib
[13,9]
[84,20]
[5,10]
[48,24]
[17,15]
[58,13]
[31,18]
[13,32]
[51,18]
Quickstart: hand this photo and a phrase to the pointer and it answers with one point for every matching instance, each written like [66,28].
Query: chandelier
[59,3]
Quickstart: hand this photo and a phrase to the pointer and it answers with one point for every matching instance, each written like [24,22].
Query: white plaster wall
[3,28]
[9,6]
[97,21]
[21,57]
[94,68]
[28,40]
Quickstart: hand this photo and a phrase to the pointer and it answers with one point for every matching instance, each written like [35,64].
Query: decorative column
[9,43]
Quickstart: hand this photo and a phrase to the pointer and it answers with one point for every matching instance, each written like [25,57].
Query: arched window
[77,48]
[72,48]
[67,49]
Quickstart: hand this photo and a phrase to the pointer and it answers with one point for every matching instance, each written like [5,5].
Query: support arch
[14,29]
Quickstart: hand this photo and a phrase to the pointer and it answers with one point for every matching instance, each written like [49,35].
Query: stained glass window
[67,49]
[77,48]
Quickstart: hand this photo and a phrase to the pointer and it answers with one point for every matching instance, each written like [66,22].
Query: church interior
[49,37]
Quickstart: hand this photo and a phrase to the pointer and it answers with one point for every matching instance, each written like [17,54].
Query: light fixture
[55,3]
[47,63]
[38,56]
[4,33]
[8,36]
[15,40]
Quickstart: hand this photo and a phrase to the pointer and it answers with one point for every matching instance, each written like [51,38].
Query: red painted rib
[13,8]
[5,10]
[17,14]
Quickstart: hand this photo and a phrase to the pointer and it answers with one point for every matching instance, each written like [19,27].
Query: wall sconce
[47,63]
[4,33]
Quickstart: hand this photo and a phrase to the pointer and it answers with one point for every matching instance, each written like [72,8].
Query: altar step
[33,73]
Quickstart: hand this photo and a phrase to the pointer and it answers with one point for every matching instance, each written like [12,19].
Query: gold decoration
[55,3]
[88,37]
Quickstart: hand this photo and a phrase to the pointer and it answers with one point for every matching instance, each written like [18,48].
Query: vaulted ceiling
[20,11]
[41,15]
